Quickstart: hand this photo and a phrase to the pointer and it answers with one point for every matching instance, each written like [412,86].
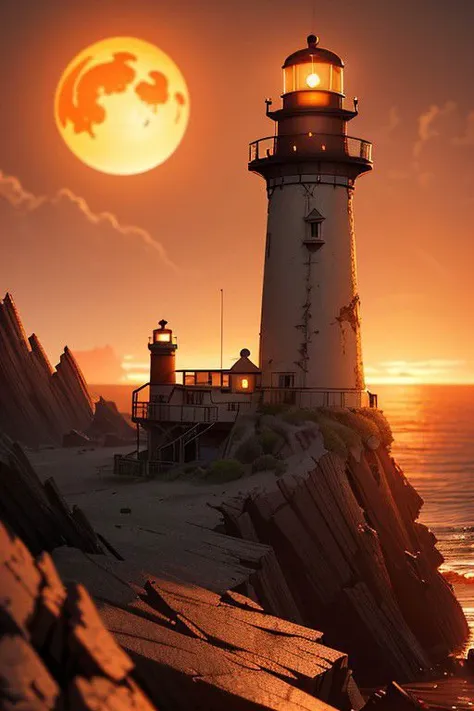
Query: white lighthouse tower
[310,344]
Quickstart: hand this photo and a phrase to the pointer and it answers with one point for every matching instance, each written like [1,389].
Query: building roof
[314,216]
[244,365]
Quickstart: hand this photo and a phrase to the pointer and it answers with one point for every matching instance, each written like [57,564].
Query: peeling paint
[350,313]
[303,361]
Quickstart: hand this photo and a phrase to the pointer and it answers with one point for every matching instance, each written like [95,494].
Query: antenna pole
[222,327]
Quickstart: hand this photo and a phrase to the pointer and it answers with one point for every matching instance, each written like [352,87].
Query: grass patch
[267,408]
[223,470]
[270,441]
[248,451]
[383,425]
[363,426]
[267,462]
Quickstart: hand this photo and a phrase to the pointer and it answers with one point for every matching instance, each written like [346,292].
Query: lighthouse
[310,340]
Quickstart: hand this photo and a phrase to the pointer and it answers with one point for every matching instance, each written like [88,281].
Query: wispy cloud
[12,190]
[427,125]
[418,371]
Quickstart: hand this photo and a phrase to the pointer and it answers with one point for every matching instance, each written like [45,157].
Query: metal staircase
[178,445]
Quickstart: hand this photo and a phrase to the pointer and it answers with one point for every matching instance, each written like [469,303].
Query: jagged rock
[37,403]
[358,565]
[37,512]
[76,439]
[188,649]
[110,426]
[49,634]
[393,698]
[470,660]
[443,694]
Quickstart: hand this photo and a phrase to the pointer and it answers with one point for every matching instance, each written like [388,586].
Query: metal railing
[164,412]
[310,144]
[307,397]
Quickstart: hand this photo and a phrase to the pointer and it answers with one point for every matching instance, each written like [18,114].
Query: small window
[315,230]
[244,383]
[193,397]
[189,378]
[225,380]
[203,378]
[286,380]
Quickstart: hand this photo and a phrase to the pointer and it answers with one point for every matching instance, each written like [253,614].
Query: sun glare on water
[122,106]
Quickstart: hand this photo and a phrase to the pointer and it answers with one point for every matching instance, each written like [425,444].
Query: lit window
[203,378]
[244,384]
[189,379]
[225,380]
[163,337]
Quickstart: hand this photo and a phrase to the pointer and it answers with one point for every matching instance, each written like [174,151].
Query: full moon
[122,106]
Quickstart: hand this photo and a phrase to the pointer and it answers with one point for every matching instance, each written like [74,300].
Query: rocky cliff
[342,521]
[38,404]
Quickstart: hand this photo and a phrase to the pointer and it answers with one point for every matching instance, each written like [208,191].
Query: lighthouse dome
[313,51]
[313,69]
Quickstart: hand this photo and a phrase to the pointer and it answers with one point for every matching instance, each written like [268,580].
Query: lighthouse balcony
[309,146]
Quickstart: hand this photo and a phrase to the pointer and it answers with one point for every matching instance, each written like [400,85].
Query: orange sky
[173,237]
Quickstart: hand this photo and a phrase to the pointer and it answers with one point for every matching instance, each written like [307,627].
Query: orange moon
[122,106]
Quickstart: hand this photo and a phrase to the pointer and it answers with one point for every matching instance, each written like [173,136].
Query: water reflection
[433,426]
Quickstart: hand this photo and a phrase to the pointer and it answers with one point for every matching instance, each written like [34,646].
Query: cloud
[427,125]
[398,372]
[100,365]
[12,190]
[81,278]
[468,138]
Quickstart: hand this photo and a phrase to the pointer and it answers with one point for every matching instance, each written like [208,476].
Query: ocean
[433,426]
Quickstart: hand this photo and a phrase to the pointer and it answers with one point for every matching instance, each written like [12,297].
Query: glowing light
[244,384]
[122,106]
[163,337]
[313,80]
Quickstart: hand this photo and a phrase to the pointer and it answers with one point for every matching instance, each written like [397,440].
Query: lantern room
[162,334]
[162,350]
[313,69]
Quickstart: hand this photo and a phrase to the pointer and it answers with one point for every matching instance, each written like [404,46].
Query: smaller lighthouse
[162,356]
[310,341]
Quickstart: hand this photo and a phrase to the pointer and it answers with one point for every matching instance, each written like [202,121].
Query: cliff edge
[341,518]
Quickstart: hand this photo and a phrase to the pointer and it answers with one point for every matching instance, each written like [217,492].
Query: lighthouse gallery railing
[310,144]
